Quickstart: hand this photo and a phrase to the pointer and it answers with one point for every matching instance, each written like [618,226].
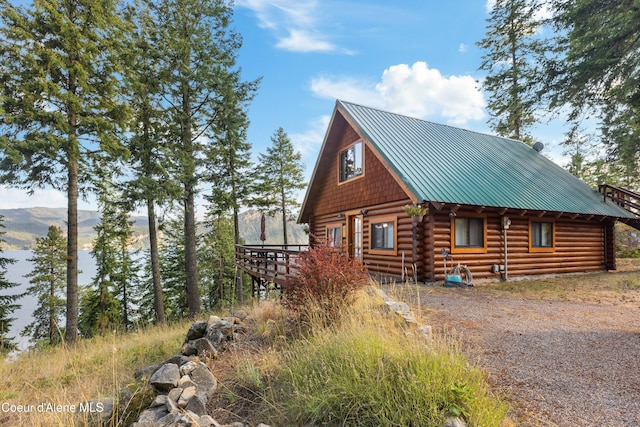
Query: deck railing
[269,263]
[624,198]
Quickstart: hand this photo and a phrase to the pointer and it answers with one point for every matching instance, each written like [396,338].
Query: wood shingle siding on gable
[374,187]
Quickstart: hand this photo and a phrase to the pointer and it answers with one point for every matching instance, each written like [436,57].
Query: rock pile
[184,382]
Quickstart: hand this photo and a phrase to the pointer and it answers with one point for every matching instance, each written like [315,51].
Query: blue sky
[412,57]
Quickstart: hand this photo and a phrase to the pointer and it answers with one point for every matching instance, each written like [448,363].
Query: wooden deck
[626,199]
[268,263]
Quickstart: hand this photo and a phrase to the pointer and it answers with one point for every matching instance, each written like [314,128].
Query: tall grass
[365,370]
[95,368]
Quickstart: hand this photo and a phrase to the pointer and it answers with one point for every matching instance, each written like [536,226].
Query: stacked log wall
[579,247]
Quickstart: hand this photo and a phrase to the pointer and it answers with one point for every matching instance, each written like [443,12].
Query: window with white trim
[351,162]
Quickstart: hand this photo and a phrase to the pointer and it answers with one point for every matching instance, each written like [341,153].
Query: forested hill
[22,226]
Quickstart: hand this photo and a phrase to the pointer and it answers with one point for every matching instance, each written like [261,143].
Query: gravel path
[559,363]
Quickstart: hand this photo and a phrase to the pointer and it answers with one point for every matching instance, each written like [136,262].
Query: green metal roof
[442,163]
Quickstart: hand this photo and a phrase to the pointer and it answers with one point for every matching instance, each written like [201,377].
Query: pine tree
[60,96]
[172,259]
[512,59]
[594,72]
[279,178]
[217,258]
[48,279]
[7,301]
[152,182]
[197,52]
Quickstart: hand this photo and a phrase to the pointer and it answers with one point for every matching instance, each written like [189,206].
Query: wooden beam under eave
[524,212]
[455,208]
[558,215]
[479,209]
[574,216]
[589,217]
[541,214]
[502,211]
[437,205]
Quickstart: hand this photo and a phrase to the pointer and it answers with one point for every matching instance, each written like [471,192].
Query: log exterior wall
[579,246]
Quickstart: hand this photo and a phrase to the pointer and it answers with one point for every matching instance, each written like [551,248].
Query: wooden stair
[626,199]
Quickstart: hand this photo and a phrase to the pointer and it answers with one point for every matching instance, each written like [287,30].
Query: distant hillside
[22,226]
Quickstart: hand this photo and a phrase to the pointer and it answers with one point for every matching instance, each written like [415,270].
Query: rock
[179,359]
[187,394]
[263,425]
[145,372]
[197,330]
[188,367]
[160,400]
[189,349]
[152,415]
[426,332]
[186,382]
[212,320]
[207,421]
[204,380]
[205,349]
[240,314]
[454,422]
[172,406]
[197,405]
[175,394]
[165,378]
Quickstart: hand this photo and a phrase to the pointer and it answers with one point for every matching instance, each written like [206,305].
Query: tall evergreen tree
[152,182]
[512,59]
[595,72]
[59,77]
[108,303]
[172,259]
[217,257]
[7,301]
[48,279]
[279,178]
[197,53]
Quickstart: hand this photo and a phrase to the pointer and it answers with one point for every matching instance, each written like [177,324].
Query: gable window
[382,232]
[541,236]
[469,235]
[351,164]
[334,235]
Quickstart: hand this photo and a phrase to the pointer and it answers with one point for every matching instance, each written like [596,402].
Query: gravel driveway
[559,363]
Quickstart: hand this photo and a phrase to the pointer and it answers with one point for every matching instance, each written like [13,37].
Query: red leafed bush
[325,283]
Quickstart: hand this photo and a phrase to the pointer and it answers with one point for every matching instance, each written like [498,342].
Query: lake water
[15,274]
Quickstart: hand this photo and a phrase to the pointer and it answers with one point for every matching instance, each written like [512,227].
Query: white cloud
[303,41]
[308,143]
[463,48]
[415,90]
[294,22]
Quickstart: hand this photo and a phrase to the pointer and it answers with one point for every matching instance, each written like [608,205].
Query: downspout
[506,258]
[506,222]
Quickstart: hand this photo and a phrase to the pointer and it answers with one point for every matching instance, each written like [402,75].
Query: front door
[355,236]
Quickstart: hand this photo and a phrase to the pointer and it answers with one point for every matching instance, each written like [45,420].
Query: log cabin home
[494,204]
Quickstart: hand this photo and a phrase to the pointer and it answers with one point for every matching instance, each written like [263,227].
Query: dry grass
[95,368]
[620,287]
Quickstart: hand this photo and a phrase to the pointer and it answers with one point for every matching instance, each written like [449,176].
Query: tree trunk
[193,293]
[283,200]
[158,303]
[71,332]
